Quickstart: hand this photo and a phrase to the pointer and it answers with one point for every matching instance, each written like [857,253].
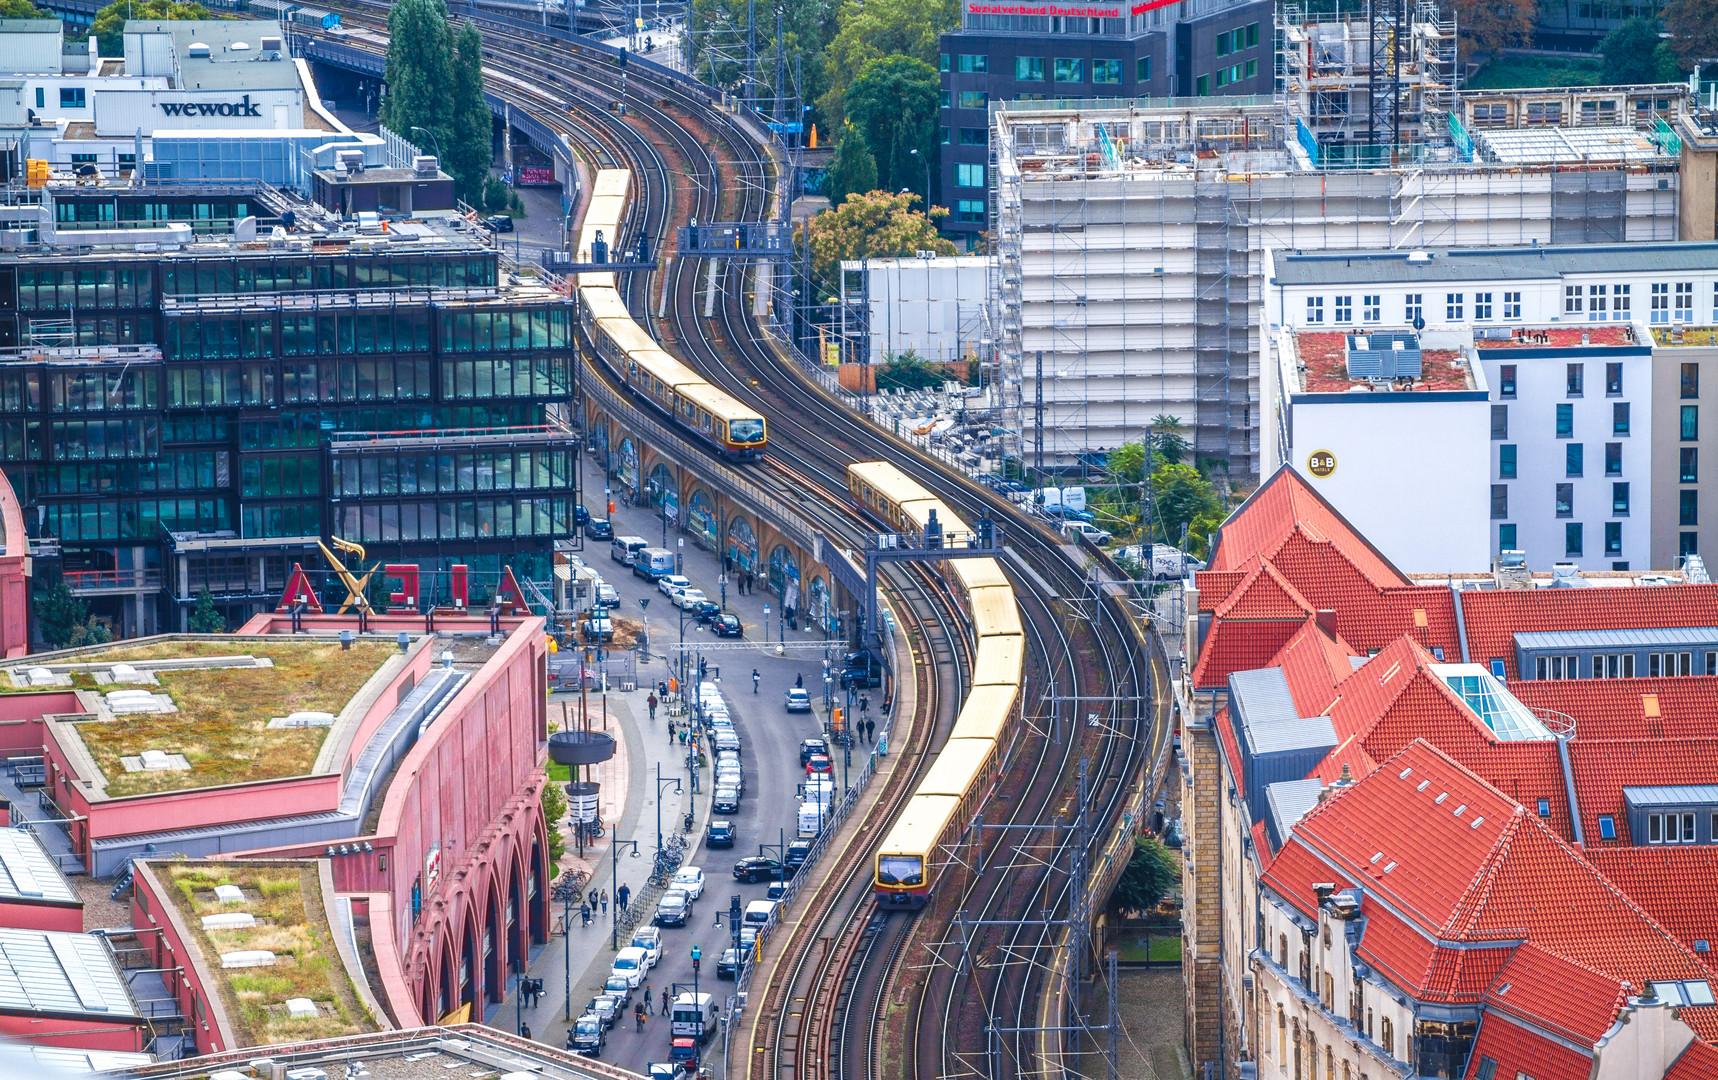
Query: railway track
[878,994]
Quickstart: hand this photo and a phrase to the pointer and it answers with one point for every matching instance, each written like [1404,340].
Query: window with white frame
[1684,311]
[1345,309]
[1663,665]
[1482,305]
[1614,666]
[1573,300]
[1512,305]
[1453,307]
[1314,309]
[1670,828]
[1372,308]
[1413,309]
[1661,301]
[1557,667]
[1620,297]
[1596,303]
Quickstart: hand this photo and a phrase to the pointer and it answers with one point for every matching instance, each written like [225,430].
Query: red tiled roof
[1703,1019]
[1264,595]
[1262,846]
[1313,665]
[1393,699]
[1238,646]
[1698,1062]
[1293,873]
[1567,999]
[1675,883]
[1286,507]
[1462,976]
[1215,586]
[1494,616]
[1462,863]
[1525,771]
[1603,767]
[1616,709]
[1518,1050]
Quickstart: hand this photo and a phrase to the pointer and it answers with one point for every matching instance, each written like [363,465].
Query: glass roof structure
[1495,706]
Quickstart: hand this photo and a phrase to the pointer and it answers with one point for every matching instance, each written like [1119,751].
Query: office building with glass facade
[180,413]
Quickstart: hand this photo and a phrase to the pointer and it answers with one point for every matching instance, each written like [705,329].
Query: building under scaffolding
[1129,237]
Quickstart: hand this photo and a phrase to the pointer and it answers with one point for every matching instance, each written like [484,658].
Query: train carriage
[977,573]
[965,768]
[994,611]
[909,852]
[691,401]
[1000,660]
[987,714]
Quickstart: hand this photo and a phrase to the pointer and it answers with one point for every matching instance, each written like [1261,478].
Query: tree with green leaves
[1629,52]
[204,618]
[868,30]
[852,169]
[21,9]
[1170,443]
[895,102]
[471,129]
[873,225]
[554,809]
[1152,874]
[1181,496]
[1693,26]
[420,78]
[909,371]
[64,621]
[108,29]
[719,37]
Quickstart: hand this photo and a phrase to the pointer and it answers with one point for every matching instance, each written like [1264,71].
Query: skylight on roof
[1495,706]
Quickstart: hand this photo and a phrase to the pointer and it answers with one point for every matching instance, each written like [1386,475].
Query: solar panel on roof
[23,882]
[77,974]
[1384,356]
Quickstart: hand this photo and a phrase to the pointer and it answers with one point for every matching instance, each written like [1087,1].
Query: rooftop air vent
[240,46]
[1384,357]
[197,51]
[1419,256]
[270,44]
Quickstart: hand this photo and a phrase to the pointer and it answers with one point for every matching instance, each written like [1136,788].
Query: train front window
[900,870]
[746,431]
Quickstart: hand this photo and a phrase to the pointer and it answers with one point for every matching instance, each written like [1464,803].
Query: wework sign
[242,107]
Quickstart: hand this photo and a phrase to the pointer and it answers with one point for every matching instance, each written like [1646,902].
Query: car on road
[819,763]
[606,1006]
[796,700]
[731,778]
[863,671]
[620,989]
[808,747]
[588,1035]
[674,909]
[597,628]
[606,595]
[755,868]
[580,515]
[599,529]
[726,738]
[690,879]
[1091,532]
[719,834]
[777,890]
[748,937]
[648,938]
[728,967]
[667,583]
[728,626]
[797,853]
[688,599]
[631,963]
[706,611]
[498,223]
[726,800]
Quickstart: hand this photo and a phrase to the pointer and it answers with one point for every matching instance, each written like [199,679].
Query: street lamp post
[644,635]
[766,624]
[433,140]
[566,898]
[660,781]
[614,872]
[927,163]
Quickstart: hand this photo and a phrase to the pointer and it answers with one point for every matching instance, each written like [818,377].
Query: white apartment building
[1582,443]
[1131,246]
[934,305]
[1392,427]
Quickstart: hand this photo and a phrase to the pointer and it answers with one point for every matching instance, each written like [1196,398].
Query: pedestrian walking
[664,1004]
[799,681]
[585,914]
[524,1031]
[871,731]
[622,895]
[605,901]
[647,995]
[595,896]
[756,678]
[864,703]
[651,701]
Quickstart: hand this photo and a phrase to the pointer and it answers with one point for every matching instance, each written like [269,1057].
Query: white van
[625,549]
[695,1016]
[810,819]
[759,913]
[653,563]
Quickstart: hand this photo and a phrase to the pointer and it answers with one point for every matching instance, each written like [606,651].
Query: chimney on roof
[1346,779]
[1322,890]
[1327,622]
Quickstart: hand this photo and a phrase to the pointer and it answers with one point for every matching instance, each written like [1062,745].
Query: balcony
[114,582]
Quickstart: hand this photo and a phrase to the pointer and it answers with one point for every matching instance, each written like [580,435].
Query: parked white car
[669,582]
[648,938]
[688,597]
[691,879]
[631,964]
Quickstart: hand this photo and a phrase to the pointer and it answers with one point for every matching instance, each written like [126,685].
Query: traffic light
[697,955]
[623,56]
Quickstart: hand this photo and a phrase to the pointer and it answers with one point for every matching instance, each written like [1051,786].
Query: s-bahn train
[948,797]
[703,410]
